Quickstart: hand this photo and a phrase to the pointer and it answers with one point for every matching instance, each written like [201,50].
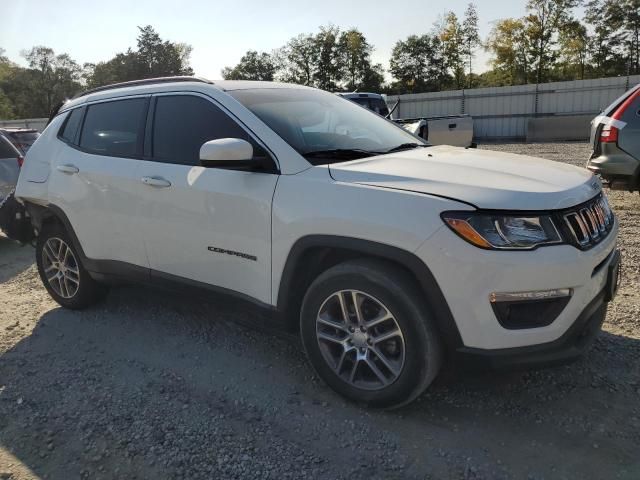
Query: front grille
[589,223]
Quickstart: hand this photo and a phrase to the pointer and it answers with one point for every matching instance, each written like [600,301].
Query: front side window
[114,128]
[183,123]
[324,127]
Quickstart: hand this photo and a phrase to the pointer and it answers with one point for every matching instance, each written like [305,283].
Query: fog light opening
[534,309]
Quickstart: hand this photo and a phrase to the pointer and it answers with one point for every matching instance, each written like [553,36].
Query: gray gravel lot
[155,385]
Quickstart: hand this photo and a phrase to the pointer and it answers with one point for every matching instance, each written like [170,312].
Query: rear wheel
[369,335]
[62,272]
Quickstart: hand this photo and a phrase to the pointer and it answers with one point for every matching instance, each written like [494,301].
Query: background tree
[6,106]
[328,71]
[297,61]
[453,48]
[543,22]
[509,47]
[417,64]
[574,50]
[52,77]
[355,59]
[154,57]
[471,38]
[252,66]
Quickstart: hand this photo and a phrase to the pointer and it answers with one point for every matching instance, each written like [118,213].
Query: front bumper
[467,277]
[569,347]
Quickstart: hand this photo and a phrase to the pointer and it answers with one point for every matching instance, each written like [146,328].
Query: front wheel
[62,272]
[369,335]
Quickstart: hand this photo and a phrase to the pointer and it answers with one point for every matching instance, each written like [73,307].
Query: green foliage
[574,50]
[50,78]
[330,59]
[615,42]
[471,38]
[252,66]
[509,45]
[547,44]
[153,58]
[453,48]
[418,65]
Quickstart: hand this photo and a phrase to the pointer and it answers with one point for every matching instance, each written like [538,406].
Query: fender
[429,286]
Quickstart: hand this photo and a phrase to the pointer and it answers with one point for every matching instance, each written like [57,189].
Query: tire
[76,290]
[406,362]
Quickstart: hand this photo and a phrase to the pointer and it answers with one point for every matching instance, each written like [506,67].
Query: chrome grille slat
[590,223]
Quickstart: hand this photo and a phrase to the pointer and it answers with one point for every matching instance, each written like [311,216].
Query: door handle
[70,169]
[453,125]
[156,182]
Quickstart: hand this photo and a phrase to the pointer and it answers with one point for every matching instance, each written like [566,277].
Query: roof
[230,85]
[153,85]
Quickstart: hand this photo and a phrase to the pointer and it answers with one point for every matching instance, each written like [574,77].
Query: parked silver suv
[615,137]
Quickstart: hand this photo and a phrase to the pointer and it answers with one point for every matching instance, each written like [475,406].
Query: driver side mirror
[227,153]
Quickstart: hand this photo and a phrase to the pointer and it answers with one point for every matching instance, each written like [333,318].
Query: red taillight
[609,134]
[20,161]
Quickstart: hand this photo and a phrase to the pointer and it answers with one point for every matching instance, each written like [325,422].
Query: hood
[484,178]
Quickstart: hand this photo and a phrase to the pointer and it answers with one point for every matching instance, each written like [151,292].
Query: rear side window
[7,150]
[70,127]
[115,128]
[182,123]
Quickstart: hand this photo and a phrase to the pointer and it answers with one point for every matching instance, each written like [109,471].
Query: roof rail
[145,81]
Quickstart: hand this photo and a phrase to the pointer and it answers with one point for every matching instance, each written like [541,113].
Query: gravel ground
[151,385]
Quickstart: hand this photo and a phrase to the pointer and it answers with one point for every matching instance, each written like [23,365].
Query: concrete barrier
[37,123]
[559,128]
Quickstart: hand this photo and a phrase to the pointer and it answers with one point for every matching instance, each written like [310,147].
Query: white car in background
[455,130]
[389,256]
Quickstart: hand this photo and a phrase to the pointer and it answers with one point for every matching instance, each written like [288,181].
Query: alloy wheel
[60,267]
[360,339]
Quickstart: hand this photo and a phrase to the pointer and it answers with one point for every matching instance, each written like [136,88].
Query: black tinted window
[71,125]
[7,150]
[114,128]
[182,123]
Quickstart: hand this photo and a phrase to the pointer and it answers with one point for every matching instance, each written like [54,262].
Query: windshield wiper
[351,153]
[406,146]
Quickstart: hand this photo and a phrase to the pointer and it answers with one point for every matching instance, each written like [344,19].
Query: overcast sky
[220,32]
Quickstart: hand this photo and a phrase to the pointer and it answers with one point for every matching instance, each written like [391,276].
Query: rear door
[95,181]
[210,225]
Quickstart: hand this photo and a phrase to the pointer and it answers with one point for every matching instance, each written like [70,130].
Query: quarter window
[114,128]
[70,127]
[182,123]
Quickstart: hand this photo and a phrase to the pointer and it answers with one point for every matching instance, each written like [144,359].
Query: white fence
[504,112]
[37,123]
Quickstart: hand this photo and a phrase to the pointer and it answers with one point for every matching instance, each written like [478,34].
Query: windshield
[322,126]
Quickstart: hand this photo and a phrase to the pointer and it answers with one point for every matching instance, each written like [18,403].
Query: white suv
[389,255]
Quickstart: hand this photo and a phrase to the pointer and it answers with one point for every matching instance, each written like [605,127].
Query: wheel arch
[42,215]
[313,254]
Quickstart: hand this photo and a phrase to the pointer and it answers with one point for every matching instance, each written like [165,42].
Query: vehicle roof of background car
[359,95]
[17,129]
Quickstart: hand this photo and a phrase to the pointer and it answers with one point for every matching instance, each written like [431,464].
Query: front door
[211,225]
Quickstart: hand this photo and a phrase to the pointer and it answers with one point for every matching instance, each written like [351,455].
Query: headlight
[503,231]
